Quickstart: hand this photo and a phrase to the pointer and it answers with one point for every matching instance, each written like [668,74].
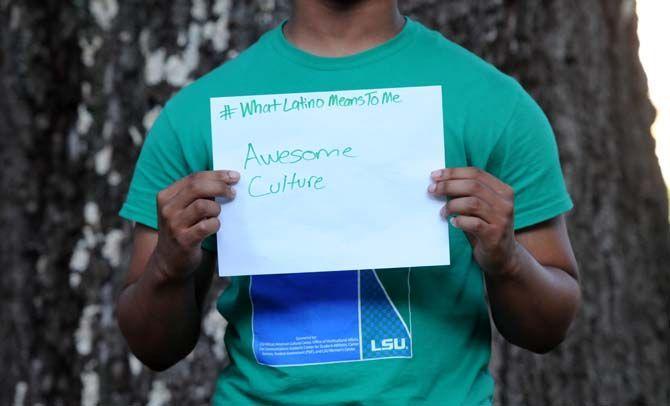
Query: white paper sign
[330,181]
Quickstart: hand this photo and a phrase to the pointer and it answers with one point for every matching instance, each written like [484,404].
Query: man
[425,338]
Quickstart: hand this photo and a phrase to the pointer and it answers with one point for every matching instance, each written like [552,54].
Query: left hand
[485,209]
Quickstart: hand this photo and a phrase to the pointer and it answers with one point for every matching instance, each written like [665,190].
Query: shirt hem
[543,213]
[133,214]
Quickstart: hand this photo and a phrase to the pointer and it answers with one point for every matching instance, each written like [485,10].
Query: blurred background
[81,82]
[654,33]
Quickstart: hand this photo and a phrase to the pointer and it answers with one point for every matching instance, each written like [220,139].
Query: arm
[535,300]
[160,307]
[531,276]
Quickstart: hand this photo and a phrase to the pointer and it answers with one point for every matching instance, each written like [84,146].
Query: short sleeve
[161,163]
[525,157]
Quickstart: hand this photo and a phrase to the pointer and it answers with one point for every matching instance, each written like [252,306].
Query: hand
[187,214]
[485,209]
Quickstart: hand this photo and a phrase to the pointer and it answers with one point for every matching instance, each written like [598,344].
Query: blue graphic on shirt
[317,318]
[384,333]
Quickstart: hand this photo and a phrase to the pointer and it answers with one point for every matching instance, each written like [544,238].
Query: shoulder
[188,111]
[223,80]
[462,69]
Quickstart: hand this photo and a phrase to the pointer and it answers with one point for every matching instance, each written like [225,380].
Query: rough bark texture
[82,81]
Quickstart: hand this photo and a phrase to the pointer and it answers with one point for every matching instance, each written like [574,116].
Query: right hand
[187,214]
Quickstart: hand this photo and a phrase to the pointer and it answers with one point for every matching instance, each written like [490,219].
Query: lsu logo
[389,344]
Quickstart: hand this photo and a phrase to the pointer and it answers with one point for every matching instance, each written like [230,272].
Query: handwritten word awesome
[294,156]
[301,103]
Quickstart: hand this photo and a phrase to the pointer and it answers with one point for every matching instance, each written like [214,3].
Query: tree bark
[83,80]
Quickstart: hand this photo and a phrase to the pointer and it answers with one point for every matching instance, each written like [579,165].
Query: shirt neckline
[381,51]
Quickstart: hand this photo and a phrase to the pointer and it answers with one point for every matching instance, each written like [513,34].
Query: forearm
[533,305]
[160,317]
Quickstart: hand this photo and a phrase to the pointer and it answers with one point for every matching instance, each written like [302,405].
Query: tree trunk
[82,81]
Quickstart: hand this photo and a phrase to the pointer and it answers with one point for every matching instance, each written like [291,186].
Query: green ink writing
[259,188]
[389,97]
[253,107]
[294,156]
[340,101]
[303,103]
[334,100]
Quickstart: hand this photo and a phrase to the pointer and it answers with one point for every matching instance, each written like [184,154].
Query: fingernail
[234,175]
[452,221]
[443,212]
[436,174]
[233,192]
[432,188]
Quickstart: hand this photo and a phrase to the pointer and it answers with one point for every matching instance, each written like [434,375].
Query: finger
[474,173]
[229,177]
[199,210]
[471,206]
[194,235]
[463,188]
[472,225]
[201,189]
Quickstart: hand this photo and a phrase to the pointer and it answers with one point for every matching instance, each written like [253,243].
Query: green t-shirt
[399,336]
